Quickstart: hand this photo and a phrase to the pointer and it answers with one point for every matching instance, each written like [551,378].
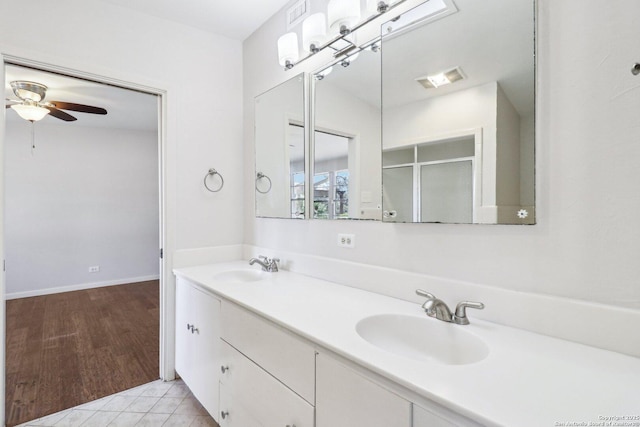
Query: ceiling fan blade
[78,107]
[59,114]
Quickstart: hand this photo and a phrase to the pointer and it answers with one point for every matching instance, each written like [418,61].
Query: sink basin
[241,275]
[422,338]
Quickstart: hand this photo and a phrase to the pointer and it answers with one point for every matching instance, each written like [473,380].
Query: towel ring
[213,172]
[260,175]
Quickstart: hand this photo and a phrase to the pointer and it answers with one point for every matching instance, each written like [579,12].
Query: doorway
[82,206]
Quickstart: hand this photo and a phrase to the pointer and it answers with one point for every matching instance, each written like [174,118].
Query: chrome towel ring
[260,176]
[211,173]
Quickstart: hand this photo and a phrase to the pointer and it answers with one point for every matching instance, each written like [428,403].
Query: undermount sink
[240,275]
[422,338]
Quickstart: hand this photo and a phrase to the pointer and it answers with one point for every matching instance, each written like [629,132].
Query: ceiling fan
[30,105]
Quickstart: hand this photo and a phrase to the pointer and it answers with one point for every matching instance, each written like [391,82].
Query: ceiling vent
[440,79]
[297,13]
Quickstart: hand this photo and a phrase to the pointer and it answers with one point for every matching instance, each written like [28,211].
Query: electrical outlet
[94,269]
[347,240]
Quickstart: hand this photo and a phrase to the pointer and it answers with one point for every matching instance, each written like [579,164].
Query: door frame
[166,218]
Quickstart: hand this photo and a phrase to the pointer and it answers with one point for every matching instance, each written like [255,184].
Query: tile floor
[157,404]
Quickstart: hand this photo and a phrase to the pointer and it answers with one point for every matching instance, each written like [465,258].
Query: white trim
[3,316]
[79,287]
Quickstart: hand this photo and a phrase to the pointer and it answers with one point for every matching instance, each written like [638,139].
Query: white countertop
[526,380]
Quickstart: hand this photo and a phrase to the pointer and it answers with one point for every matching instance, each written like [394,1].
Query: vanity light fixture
[314,32]
[343,14]
[378,6]
[342,18]
[443,78]
[288,50]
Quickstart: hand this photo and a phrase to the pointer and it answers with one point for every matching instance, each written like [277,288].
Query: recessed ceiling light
[441,79]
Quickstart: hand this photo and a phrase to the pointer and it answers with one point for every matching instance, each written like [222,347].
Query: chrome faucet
[267,264]
[437,308]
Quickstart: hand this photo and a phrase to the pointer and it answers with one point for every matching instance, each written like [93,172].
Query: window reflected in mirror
[346,138]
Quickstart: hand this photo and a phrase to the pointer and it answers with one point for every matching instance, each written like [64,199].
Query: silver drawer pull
[224,368]
[224,414]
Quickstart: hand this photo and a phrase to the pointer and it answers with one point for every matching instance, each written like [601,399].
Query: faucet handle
[262,257]
[460,316]
[425,294]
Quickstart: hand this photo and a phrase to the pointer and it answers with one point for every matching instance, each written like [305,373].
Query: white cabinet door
[184,337]
[284,355]
[251,393]
[233,414]
[198,343]
[344,398]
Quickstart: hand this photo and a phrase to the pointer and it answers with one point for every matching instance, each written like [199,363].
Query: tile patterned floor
[157,404]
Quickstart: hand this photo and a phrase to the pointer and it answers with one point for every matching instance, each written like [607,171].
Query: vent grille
[297,13]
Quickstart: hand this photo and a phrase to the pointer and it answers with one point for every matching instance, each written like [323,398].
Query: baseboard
[82,286]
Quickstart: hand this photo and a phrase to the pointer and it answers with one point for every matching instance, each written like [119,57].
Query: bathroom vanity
[284,349]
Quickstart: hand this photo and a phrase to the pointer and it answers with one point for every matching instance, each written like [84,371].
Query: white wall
[200,73]
[85,197]
[587,239]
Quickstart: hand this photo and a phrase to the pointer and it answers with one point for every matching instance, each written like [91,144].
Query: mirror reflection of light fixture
[348,60]
[324,73]
[30,112]
[314,32]
[443,78]
[342,15]
[288,50]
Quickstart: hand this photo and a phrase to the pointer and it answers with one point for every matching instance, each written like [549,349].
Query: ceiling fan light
[33,113]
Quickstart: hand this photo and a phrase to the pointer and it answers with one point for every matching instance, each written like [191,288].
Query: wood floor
[70,348]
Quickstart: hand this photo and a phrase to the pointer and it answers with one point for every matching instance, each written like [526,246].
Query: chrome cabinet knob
[224,414]
[224,368]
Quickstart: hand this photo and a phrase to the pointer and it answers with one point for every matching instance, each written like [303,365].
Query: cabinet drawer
[348,399]
[276,350]
[252,394]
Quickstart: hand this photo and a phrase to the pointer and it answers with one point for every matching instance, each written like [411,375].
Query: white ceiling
[233,19]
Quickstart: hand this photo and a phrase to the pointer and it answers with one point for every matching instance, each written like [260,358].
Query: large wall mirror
[346,138]
[458,113]
[280,150]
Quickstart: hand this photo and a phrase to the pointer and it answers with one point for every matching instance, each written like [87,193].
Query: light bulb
[288,49]
[342,15]
[314,32]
